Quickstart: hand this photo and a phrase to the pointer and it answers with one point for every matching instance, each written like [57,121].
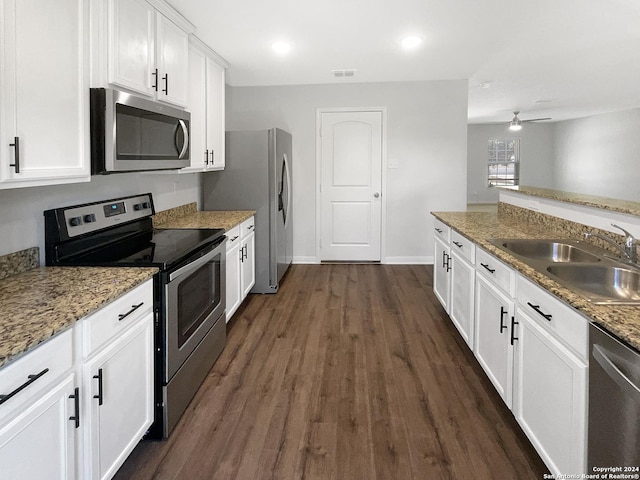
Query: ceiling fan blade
[536,119]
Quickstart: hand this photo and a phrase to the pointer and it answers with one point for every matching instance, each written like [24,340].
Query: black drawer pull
[16,154]
[459,245]
[513,329]
[233,239]
[166,84]
[155,80]
[76,403]
[31,379]
[491,270]
[99,396]
[502,325]
[250,227]
[537,309]
[122,316]
[438,230]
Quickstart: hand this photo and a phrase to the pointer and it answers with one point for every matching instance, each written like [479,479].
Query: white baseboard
[408,261]
[305,260]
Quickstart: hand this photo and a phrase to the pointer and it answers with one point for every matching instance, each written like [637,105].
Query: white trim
[408,261]
[172,14]
[198,44]
[383,193]
[305,260]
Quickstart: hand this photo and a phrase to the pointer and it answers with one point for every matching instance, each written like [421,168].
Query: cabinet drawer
[565,323]
[442,231]
[106,323]
[500,274]
[233,237]
[463,246]
[247,227]
[30,375]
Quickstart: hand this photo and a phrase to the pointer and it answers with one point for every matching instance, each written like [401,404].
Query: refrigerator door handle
[284,205]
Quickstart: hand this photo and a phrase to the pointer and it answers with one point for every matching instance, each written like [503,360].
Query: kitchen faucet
[629,249]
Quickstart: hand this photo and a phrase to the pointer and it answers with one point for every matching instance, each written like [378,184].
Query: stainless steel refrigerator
[257,176]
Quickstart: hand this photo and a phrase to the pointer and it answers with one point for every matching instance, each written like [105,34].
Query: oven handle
[196,264]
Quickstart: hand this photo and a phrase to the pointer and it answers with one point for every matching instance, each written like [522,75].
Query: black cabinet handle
[502,325]
[491,270]
[76,402]
[31,379]
[233,239]
[122,316]
[206,157]
[444,261]
[438,230]
[449,260]
[250,227]
[155,81]
[513,329]
[99,396]
[459,245]
[16,154]
[212,156]
[166,84]
[537,309]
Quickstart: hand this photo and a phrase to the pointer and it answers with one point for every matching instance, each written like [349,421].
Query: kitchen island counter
[621,320]
[38,303]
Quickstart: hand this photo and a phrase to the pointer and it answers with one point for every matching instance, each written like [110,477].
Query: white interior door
[351,185]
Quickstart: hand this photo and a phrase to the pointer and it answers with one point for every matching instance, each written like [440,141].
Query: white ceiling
[547,58]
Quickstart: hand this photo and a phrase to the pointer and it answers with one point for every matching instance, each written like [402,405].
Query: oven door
[194,298]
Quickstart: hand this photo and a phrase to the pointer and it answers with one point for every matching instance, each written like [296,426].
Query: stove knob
[146,205]
[138,206]
[89,218]
[75,221]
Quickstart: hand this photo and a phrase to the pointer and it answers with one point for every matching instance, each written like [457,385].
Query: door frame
[383,188]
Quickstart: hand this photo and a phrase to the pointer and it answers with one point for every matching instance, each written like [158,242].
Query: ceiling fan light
[515,126]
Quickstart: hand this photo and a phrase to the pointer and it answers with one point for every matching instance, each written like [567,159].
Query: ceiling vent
[344,73]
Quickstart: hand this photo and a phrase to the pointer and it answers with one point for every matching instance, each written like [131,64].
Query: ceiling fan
[516,124]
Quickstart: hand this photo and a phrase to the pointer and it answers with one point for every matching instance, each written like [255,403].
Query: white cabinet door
[119,398]
[132,45]
[550,397]
[43,93]
[40,441]
[215,115]
[233,296]
[248,264]
[198,108]
[441,276]
[462,296]
[493,331]
[172,62]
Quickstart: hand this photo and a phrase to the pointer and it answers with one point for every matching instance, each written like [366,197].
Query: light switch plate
[393,163]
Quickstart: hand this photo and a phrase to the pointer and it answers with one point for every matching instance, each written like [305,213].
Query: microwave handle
[185,145]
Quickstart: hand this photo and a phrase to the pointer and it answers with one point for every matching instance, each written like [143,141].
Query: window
[503,161]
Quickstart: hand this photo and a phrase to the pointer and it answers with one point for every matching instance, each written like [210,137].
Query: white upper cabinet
[44,92]
[207,107]
[145,47]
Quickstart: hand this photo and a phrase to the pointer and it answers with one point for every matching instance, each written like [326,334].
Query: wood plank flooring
[349,372]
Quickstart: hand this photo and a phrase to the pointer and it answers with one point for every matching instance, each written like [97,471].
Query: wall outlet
[393,163]
[534,205]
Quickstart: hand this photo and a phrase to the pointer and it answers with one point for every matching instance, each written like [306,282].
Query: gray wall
[426,134]
[21,214]
[536,157]
[599,155]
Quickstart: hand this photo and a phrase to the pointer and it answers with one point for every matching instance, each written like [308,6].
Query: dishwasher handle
[624,382]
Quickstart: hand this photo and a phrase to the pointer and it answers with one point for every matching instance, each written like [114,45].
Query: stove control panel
[82,219]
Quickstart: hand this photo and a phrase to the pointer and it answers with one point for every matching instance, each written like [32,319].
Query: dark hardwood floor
[349,372]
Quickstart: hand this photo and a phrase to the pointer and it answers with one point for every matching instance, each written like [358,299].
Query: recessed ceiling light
[411,41]
[486,84]
[281,48]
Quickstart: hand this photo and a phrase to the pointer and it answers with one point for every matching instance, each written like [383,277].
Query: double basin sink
[580,267]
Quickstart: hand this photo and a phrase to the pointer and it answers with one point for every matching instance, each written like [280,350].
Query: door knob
[376,194]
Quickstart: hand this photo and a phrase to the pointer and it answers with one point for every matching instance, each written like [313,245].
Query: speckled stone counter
[209,219]
[621,320]
[37,304]
[612,204]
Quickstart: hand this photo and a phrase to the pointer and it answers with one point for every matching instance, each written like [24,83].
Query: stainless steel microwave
[130,133]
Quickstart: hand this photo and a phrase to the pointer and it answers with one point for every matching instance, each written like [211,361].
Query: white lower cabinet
[494,330]
[462,295]
[77,405]
[40,442]
[241,267]
[441,276]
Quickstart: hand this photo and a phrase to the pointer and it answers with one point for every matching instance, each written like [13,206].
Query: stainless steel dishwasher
[614,404]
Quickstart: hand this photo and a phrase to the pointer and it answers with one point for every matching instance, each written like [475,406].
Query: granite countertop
[612,204]
[38,303]
[621,320]
[226,219]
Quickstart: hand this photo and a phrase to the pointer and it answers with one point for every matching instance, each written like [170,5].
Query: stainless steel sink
[557,251]
[581,267]
[601,283]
